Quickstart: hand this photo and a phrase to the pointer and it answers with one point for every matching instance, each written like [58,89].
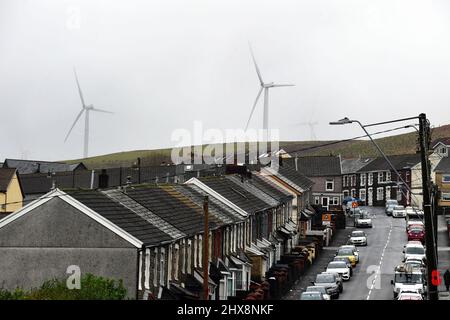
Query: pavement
[372,276]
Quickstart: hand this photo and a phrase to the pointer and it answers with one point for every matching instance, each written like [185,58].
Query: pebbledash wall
[41,244]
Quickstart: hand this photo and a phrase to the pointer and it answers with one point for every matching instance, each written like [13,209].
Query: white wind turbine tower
[87,109]
[266,87]
[311,125]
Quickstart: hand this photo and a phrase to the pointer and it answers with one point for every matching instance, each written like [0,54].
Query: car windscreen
[416,230]
[408,278]
[358,234]
[337,265]
[399,208]
[324,278]
[316,289]
[415,250]
[310,296]
[345,252]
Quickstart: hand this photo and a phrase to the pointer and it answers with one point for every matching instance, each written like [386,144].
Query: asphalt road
[372,276]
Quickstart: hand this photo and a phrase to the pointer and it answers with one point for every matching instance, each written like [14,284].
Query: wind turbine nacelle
[268,85]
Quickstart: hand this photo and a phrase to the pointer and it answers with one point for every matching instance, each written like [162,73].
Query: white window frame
[327,181]
[353,192]
[362,192]
[176,257]
[195,251]
[189,256]
[378,193]
[162,266]
[444,177]
[362,177]
[445,196]
[147,269]
[335,201]
[200,251]
[346,193]
[388,193]
[316,200]
[388,176]
[399,194]
[345,181]
[380,177]
[370,179]
[353,180]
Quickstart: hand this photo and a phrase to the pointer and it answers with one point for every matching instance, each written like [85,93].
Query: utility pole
[206,250]
[428,209]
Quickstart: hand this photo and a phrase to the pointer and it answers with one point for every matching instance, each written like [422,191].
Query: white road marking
[380,263]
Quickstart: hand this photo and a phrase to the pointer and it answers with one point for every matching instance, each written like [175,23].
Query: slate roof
[270,188]
[443,165]
[316,166]
[445,141]
[216,208]
[236,194]
[258,192]
[399,162]
[121,216]
[354,165]
[35,166]
[296,176]
[172,206]
[6,175]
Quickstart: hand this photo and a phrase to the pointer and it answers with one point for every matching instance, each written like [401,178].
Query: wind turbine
[311,125]
[264,86]
[87,109]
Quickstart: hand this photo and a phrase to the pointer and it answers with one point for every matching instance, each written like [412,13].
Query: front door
[370,197]
[325,202]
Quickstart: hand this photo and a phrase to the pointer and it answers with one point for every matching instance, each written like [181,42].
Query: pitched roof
[297,176]
[270,187]
[353,165]
[121,216]
[235,194]
[247,185]
[222,212]
[399,162]
[6,175]
[34,166]
[172,206]
[443,165]
[316,166]
[445,141]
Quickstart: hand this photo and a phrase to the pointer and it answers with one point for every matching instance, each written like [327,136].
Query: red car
[417,234]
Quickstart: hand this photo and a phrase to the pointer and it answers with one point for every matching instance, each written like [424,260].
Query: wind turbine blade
[74,123]
[253,109]
[283,85]
[79,88]
[256,65]
[101,110]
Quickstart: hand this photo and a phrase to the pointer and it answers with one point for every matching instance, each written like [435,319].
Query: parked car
[313,295]
[390,204]
[414,224]
[407,279]
[399,212]
[353,248]
[330,282]
[357,238]
[363,220]
[339,279]
[415,264]
[414,249]
[341,268]
[417,234]
[346,252]
[320,289]
[347,262]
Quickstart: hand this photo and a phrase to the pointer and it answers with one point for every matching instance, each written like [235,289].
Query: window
[346,193]
[380,193]
[399,194]
[445,196]
[189,256]
[329,185]
[195,252]
[388,193]
[353,180]
[176,261]
[335,200]
[200,251]
[345,181]
[363,179]
[316,200]
[388,176]
[370,179]
[354,193]
[407,176]
[162,266]
[446,178]
[155,268]
[380,177]
[442,151]
[362,194]
[147,269]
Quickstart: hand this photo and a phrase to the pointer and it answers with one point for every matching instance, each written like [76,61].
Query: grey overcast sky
[161,65]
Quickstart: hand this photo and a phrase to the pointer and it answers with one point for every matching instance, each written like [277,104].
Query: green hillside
[395,144]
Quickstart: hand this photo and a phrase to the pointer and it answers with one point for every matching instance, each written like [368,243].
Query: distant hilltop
[392,145]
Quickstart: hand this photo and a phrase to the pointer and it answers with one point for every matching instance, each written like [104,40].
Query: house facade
[11,192]
[441,148]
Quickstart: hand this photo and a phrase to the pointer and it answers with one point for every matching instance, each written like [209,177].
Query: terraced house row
[151,236]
